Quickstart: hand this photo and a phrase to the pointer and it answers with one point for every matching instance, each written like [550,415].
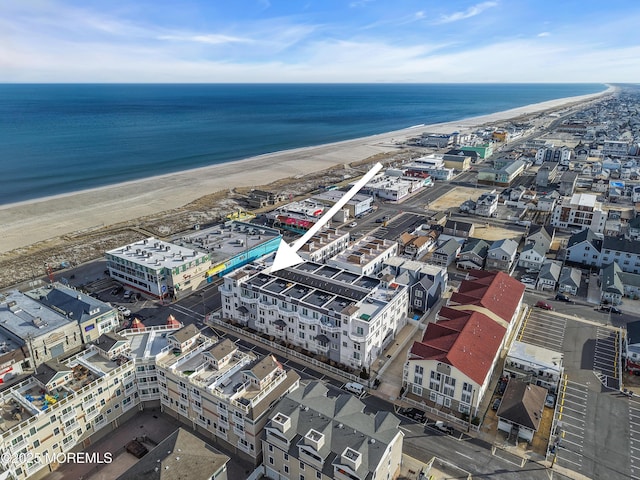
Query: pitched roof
[466,339]
[633,332]
[570,276]
[550,271]
[457,225]
[185,333]
[506,244]
[179,456]
[523,404]
[621,245]
[477,246]
[586,235]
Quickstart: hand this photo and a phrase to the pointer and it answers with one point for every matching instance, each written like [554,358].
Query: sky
[325,41]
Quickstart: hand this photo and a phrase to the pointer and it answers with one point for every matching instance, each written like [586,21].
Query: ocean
[62,138]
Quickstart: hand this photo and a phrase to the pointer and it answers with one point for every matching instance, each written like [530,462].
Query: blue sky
[319,41]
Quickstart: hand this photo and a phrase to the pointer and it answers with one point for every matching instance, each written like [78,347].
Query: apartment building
[487,204]
[451,367]
[581,210]
[158,268]
[63,407]
[346,317]
[43,332]
[358,205]
[223,392]
[94,317]
[324,245]
[211,386]
[366,256]
[317,434]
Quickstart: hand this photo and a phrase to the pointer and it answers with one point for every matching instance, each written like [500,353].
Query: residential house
[568,182]
[533,255]
[569,281]
[426,282]
[473,254]
[456,228]
[446,253]
[417,245]
[541,234]
[625,252]
[487,204]
[451,367]
[261,198]
[547,174]
[549,276]
[611,286]
[521,409]
[316,435]
[501,255]
[632,346]
[547,202]
[584,248]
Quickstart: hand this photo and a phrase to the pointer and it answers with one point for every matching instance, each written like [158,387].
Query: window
[286,469]
[285,457]
[318,475]
[271,448]
[301,466]
[270,460]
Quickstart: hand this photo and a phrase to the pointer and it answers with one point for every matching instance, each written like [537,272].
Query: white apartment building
[158,268]
[213,387]
[346,317]
[487,204]
[582,210]
[390,187]
[534,364]
[324,245]
[366,256]
[316,436]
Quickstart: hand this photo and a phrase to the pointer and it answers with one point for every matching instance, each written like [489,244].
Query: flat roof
[227,240]
[23,316]
[584,199]
[335,195]
[156,254]
[535,354]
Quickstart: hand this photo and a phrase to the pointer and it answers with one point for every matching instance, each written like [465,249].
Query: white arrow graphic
[287,255]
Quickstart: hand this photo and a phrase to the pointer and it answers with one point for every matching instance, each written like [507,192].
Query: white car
[355,388]
[124,311]
[353,224]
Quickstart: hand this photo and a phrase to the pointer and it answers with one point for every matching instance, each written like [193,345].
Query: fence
[438,413]
[286,352]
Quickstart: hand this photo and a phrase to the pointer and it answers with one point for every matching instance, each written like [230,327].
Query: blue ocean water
[62,138]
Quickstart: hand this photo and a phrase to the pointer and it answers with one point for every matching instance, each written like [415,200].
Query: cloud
[209,39]
[359,3]
[468,13]
[544,34]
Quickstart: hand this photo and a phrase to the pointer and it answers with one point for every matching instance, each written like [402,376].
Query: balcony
[196,408]
[16,447]
[89,403]
[68,415]
[243,447]
[238,431]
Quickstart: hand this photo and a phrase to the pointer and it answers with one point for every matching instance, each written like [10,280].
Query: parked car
[117,290]
[413,413]
[563,298]
[127,294]
[355,388]
[543,305]
[496,404]
[379,220]
[550,401]
[353,224]
[609,308]
[444,427]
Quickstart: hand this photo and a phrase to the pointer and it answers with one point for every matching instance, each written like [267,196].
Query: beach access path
[27,223]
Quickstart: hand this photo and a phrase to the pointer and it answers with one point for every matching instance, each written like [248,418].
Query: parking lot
[570,424]
[605,358]
[543,329]
[634,434]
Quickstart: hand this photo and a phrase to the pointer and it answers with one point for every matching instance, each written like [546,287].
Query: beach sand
[26,223]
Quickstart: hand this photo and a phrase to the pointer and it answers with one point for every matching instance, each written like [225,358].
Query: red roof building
[462,347]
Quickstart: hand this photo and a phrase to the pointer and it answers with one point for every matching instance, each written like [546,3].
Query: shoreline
[31,221]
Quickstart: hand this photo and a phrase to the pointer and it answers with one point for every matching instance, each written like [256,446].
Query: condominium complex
[451,367]
[324,245]
[317,434]
[347,317]
[210,385]
[366,256]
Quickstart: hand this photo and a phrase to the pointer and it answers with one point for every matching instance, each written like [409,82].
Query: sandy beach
[26,223]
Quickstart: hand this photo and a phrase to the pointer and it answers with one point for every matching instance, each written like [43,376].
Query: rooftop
[24,317]
[156,254]
[227,240]
[70,302]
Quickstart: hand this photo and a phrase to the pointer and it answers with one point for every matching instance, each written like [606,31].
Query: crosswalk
[606,358]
